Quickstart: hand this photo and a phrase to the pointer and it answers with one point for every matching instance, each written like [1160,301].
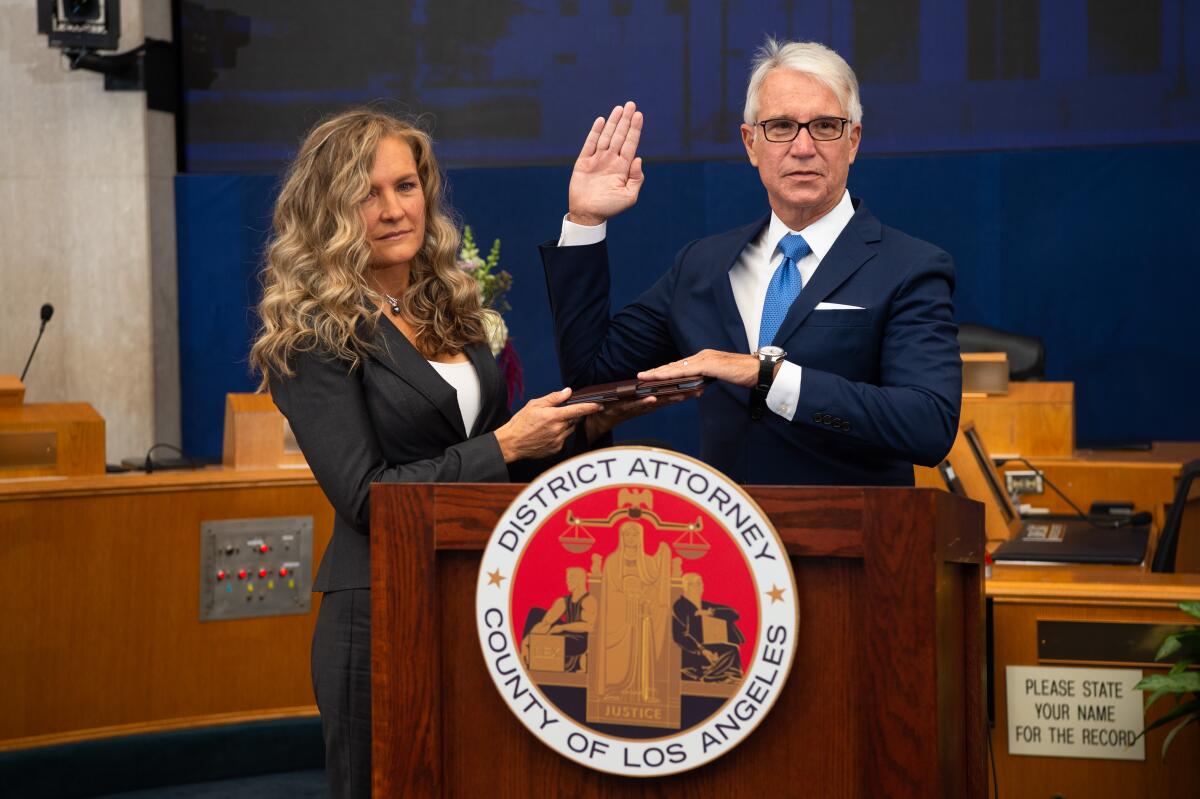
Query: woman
[373,344]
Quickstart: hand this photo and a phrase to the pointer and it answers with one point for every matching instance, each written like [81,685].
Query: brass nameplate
[28,449]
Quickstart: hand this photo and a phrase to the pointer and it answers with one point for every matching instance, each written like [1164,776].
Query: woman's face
[394,212]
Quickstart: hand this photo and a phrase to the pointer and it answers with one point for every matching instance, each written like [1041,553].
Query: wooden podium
[885,697]
[41,439]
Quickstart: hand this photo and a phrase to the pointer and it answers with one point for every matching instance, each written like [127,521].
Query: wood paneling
[101,602]
[1031,419]
[254,434]
[872,706]
[79,431]
[1146,484]
[1022,597]
[984,373]
[12,391]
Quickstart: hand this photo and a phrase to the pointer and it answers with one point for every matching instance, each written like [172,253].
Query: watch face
[771,353]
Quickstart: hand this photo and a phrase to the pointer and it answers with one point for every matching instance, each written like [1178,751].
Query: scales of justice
[618,629]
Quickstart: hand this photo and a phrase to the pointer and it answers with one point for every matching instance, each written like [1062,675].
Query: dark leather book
[633,389]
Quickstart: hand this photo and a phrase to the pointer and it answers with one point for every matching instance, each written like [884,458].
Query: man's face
[804,179]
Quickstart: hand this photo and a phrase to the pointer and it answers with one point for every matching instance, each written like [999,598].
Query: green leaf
[1169,647]
[493,259]
[1154,697]
[1191,607]
[1185,682]
[1185,645]
[1171,735]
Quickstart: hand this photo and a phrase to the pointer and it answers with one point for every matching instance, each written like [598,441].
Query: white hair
[809,58]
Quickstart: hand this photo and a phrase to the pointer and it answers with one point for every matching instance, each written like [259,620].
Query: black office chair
[1026,354]
[1168,539]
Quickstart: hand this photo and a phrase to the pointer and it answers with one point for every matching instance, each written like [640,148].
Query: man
[705,660]
[832,337]
[572,616]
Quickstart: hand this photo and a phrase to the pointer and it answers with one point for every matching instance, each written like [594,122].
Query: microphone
[47,312]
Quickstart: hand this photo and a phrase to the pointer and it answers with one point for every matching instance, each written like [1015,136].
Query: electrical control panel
[255,567]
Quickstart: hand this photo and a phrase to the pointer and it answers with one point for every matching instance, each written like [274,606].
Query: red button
[221,574]
[283,572]
[262,572]
[264,548]
[242,574]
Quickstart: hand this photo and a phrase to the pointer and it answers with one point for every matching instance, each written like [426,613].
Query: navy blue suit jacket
[881,386]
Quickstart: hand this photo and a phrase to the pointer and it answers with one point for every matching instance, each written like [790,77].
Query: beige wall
[87,223]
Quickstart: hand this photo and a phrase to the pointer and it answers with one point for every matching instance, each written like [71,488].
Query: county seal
[637,611]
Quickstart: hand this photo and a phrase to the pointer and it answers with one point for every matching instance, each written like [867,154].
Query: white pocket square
[837,306]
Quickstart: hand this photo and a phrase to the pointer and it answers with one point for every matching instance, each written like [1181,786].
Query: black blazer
[391,420]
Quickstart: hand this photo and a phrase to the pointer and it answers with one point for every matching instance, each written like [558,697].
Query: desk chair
[1168,540]
[1026,354]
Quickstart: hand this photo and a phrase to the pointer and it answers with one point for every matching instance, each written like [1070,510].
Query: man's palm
[608,174]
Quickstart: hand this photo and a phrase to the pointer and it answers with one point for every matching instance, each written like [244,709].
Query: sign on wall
[637,611]
[1075,712]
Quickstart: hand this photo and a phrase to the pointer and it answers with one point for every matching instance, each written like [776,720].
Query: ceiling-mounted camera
[80,28]
[88,24]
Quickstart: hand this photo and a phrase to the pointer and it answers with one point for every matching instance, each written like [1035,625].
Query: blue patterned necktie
[784,287]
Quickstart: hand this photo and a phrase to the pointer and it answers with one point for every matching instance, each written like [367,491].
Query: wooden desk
[1023,596]
[1147,484]
[100,594]
[1031,419]
[73,431]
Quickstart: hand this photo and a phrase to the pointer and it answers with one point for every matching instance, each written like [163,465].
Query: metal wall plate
[28,449]
[255,567]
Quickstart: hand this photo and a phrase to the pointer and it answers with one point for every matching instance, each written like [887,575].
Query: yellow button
[270,584]
[291,583]
[250,587]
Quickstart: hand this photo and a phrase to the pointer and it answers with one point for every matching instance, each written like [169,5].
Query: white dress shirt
[464,380]
[750,276]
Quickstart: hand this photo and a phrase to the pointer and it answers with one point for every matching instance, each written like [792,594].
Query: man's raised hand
[608,174]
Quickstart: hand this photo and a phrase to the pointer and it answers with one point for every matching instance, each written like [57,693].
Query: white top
[463,379]
[750,276]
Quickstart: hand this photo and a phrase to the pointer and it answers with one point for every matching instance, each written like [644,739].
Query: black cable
[992,757]
[149,465]
[1078,511]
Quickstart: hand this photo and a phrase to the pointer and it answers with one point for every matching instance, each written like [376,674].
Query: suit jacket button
[826,419]
[845,427]
[817,417]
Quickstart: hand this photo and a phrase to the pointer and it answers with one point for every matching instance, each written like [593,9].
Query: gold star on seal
[776,593]
[495,577]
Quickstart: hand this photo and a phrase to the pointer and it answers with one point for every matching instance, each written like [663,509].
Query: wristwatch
[767,358]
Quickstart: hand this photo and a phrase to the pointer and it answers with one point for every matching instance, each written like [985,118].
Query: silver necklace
[393,302]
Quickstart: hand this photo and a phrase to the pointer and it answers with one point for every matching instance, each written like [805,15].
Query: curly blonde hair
[316,295]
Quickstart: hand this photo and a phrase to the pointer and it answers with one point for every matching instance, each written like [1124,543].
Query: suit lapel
[724,259]
[492,392]
[401,358]
[853,248]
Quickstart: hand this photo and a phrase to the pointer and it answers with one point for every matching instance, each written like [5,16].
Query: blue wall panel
[1094,250]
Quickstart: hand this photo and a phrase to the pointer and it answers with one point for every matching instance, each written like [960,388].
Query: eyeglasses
[821,129]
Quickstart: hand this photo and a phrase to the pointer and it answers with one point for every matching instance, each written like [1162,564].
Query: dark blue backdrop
[515,82]
[1094,250]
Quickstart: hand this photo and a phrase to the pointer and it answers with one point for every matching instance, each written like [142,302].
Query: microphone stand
[36,341]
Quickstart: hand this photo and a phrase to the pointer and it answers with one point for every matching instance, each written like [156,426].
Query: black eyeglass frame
[801,126]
